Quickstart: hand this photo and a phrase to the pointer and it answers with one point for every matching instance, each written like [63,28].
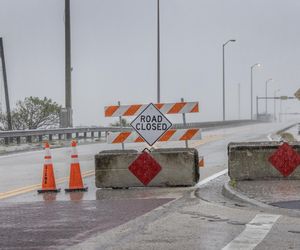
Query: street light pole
[231,40]
[275,92]
[68,69]
[158,54]
[270,79]
[251,92]
[239,101]
[9,119]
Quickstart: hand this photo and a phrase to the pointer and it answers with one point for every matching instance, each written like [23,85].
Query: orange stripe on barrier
[189,134]
[132,110]
[111,110]
[195,109]
[201,163]
[166,136]
[159,105]
[176,108]
[121,137]
[139,139]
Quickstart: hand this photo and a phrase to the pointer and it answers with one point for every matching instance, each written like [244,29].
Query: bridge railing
[62,133]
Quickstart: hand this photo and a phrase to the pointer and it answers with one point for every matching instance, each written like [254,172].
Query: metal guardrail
[57,131]
[62,133]
[214,124]
[67,133]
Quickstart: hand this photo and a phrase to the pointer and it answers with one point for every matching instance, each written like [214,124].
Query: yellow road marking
[30,188]
[206,139]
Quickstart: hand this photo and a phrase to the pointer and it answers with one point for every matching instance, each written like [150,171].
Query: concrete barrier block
[249,161]
[179,168]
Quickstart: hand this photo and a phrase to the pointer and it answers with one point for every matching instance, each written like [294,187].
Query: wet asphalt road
[43,224]
[125,219]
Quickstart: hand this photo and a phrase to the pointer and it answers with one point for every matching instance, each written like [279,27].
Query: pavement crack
[237,223]
[209,218]
[294,232]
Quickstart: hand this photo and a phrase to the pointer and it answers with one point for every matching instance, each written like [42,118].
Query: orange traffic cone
[48,179]
[75,183]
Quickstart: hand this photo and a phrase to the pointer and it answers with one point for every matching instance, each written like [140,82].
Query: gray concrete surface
[249,161]
[179,167]
[269,192]
[206,220]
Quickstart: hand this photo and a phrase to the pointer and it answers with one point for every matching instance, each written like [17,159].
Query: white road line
[210,178]
[255,231]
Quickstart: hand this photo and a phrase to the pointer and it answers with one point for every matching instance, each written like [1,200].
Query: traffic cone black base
[68,190]
[42,191]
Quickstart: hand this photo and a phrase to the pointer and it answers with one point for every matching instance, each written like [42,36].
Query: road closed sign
[151,124]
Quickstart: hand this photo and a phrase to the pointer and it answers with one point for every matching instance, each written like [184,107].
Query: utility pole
[274,106]
[251,87]
[256,107]
[275,92]
[280,110]
[68,68]
[239,101]
[223,58]
[158,54]
[270,79]
[9,122]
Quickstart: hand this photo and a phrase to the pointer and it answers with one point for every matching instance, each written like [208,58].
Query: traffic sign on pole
[151,124]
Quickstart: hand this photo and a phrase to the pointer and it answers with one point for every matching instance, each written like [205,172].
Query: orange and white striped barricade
[165,108]
[170,135]
[181,107]
[150,126]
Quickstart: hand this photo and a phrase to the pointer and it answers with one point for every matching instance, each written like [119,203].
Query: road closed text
[148,122]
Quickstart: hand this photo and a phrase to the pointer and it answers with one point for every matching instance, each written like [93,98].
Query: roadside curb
[232,194]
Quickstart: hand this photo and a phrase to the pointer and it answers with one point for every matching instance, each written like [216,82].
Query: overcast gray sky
[114,52]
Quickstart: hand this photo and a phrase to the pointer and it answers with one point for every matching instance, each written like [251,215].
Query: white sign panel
[151,124]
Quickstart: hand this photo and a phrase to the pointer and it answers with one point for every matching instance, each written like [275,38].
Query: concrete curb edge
[232,194]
